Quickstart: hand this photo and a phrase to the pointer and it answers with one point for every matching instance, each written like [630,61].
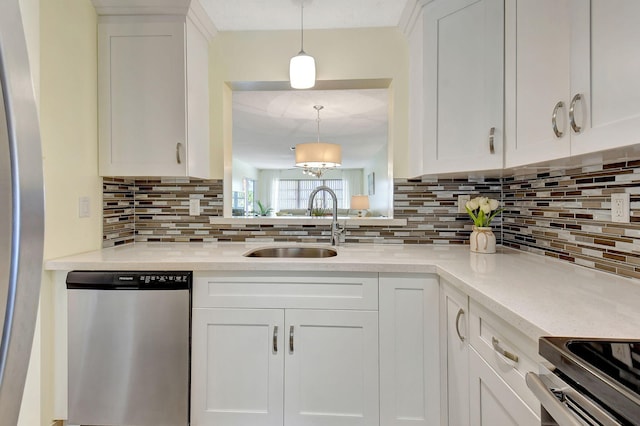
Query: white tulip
[486,208]
[494,204]
[472,204]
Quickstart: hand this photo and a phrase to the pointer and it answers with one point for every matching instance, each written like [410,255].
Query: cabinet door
[605,72]
[331,376]
[455,330]
[463,85]
[537,79]
[237,367]
[409,353]
[141,96]
[492,401]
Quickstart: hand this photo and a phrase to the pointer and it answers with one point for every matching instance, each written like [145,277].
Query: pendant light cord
[318,108]
[302,26]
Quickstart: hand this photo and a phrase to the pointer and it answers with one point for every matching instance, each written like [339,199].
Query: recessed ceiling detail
[254,15]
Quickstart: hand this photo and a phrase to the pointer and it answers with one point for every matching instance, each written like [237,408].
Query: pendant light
[302,67]
[315,157]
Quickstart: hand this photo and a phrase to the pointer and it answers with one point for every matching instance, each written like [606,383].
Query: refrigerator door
[21,211]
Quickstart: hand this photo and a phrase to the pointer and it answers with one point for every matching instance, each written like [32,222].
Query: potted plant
[263,210]
[482,210]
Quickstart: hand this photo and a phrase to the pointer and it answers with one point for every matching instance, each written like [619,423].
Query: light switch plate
[462,200]
[620,208]
[83,207]
[194,207]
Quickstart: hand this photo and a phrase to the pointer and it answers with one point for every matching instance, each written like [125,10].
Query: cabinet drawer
[497,342]
[318,290]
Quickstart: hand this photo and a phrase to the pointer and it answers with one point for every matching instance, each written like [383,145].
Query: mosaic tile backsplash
[158,210]
[567,214]
[563,214]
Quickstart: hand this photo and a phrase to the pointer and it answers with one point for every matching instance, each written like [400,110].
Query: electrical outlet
[462,201]
[194,207]
[620,208]
[83,207]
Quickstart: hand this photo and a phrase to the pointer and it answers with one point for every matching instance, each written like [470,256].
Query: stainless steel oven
[588,382]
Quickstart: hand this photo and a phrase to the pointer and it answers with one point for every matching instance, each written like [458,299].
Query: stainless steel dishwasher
[129,347]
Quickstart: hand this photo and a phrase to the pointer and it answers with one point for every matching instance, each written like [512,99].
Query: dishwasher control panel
[129,280]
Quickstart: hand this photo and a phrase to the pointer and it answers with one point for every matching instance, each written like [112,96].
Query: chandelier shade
[318,155]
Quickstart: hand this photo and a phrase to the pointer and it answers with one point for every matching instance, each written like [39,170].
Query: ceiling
[247,15]
[266,124]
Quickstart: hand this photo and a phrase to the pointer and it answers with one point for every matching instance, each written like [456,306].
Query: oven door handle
[556,409]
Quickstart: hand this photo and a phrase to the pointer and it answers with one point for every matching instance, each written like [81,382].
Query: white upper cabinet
[571,88]
[537,79]
[457,87]
[153,97]
[606,75]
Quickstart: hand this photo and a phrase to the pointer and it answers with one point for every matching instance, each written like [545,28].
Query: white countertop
[536,294]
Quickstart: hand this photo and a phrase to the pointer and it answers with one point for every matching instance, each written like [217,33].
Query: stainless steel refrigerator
[21,211]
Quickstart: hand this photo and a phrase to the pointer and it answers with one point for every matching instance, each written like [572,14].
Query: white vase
[482,240]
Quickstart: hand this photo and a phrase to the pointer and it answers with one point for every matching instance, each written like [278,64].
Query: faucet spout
[335,228]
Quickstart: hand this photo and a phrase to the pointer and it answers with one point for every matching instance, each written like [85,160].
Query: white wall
[242,170]
[382,199]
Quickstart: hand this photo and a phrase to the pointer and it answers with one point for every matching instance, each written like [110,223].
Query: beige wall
[340,55]
[68,123]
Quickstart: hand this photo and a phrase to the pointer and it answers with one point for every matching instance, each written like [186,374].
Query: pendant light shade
[302,67]
[315,157]
[318,154]
[302,71]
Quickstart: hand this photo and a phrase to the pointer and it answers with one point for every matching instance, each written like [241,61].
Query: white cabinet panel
[455,329]
[538,64]
[237,368]
[492,401]
[585,63]
[409,354]
[321,290]
[281,366]
[153,103]
[463,85]
[331,373]
[607,65]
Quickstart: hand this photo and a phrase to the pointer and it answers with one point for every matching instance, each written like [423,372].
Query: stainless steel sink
[302,252]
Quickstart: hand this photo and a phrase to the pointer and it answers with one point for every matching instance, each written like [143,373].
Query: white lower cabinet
[409,350]
[238,367]
[284,363]
[492,401]
[315,349]
[331,368]
[485,360]
[454,306]
[320,365]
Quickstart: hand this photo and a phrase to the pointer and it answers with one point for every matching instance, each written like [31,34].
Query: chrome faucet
[336,230]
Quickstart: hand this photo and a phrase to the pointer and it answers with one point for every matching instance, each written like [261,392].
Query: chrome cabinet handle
[558,411]
[572,118]
[496,346]
[492,133]
[291,339]
[554,119]
[275,339]
[460,313]
[178,147]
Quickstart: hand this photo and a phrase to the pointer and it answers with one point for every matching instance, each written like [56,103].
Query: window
[294,193]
